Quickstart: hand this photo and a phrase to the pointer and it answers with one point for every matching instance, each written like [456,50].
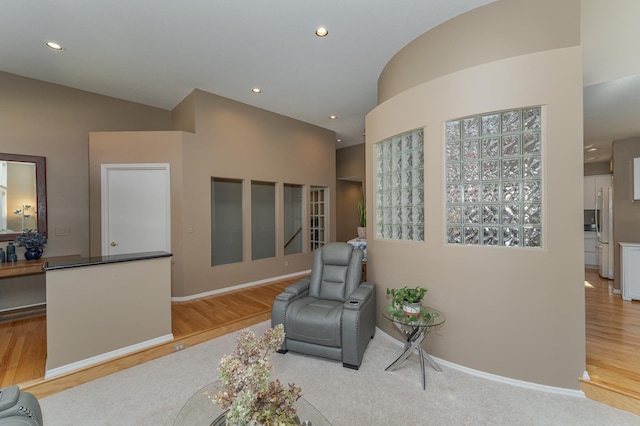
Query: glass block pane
[532,190]
[532,214]
[387,215]
[407,178]
[471,171]
[490,213]
[471,127]
[396,197]
[510,191]
[418,233]
[418,178]
[470,149]
[491,193]
[472,214]
[490,236]
[531,118]
[511,145]
[386,231]
[531,166]
[407,232]
[490,147]
[453,172]
[531,143]
[452,130]
[418,196]
[532,237]
[407,159]
[396,180]
[407,214]
[454,235]
[396,232]
[510,214]
[418,214]
[491,170]
[454,214]
[471,235]
[490,124]
[510,236]
[407,197]
[454,193]
[511,121]
[511,168]
[453,151]
[472,193]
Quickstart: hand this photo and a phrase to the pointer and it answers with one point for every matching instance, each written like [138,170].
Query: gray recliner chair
[19,408]
[332,313]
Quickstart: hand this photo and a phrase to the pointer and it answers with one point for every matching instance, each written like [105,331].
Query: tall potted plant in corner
[362,212]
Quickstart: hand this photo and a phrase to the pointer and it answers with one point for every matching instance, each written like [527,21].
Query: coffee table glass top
[428,317]
[201,411]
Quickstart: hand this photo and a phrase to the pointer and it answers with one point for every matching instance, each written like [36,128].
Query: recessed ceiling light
[333,117]
[256,90]
[338,140]
[592,158]
[592,149]
[322,32]
[54,46]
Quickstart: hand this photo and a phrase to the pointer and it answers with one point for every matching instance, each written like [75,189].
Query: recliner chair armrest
[360,295]
[295,290]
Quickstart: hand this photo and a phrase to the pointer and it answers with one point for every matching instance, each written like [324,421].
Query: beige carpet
[153,393]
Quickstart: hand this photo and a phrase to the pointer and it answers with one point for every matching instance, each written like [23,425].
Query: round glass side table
[201,411]
[415,329]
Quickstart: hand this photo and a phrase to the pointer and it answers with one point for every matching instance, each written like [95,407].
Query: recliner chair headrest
[337,254]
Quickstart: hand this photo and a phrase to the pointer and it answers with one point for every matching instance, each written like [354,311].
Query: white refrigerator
[604,227]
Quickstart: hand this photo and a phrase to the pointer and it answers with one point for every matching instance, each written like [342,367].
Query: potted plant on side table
[33,241]
[406,300]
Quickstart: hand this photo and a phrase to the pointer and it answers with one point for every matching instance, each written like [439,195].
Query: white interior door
[136,210]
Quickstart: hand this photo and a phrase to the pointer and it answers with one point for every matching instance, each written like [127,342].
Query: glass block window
[493,177]
[400,187]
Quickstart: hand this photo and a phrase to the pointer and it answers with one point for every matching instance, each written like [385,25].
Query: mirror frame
[41,190]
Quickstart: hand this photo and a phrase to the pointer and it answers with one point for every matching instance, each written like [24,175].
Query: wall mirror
[23,195]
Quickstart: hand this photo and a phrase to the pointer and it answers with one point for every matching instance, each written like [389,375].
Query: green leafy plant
[248,395]
[31,239]
[404,296]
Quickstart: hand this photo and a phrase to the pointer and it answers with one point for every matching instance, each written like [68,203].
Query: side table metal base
[414,340]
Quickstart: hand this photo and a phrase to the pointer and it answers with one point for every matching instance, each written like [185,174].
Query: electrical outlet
[178,347]
[286,263]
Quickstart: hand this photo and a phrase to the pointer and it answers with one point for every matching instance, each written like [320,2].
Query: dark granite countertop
[102,260]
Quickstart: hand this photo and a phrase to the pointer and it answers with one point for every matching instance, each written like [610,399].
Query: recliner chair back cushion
[336,272]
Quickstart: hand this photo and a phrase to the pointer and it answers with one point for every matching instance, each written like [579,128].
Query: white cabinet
[591,186]
[590,250]
[630,270]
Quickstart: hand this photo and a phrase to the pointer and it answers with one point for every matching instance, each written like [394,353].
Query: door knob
[113,244]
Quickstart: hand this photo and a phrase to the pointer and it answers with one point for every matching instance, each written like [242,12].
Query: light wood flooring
[612,340]
[612,345]
[23,340]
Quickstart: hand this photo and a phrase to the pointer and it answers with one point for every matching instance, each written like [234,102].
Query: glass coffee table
[415,329]
[201,411]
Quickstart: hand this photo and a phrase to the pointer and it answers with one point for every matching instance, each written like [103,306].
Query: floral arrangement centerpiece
[33,241]
[248,395]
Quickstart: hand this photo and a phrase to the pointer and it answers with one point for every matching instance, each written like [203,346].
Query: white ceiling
[157,51]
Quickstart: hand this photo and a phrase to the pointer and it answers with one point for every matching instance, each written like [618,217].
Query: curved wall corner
[496,31]
[511,312]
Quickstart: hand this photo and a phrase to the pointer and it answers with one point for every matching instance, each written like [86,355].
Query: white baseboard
[238,287]
[494,377]
[74,366]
